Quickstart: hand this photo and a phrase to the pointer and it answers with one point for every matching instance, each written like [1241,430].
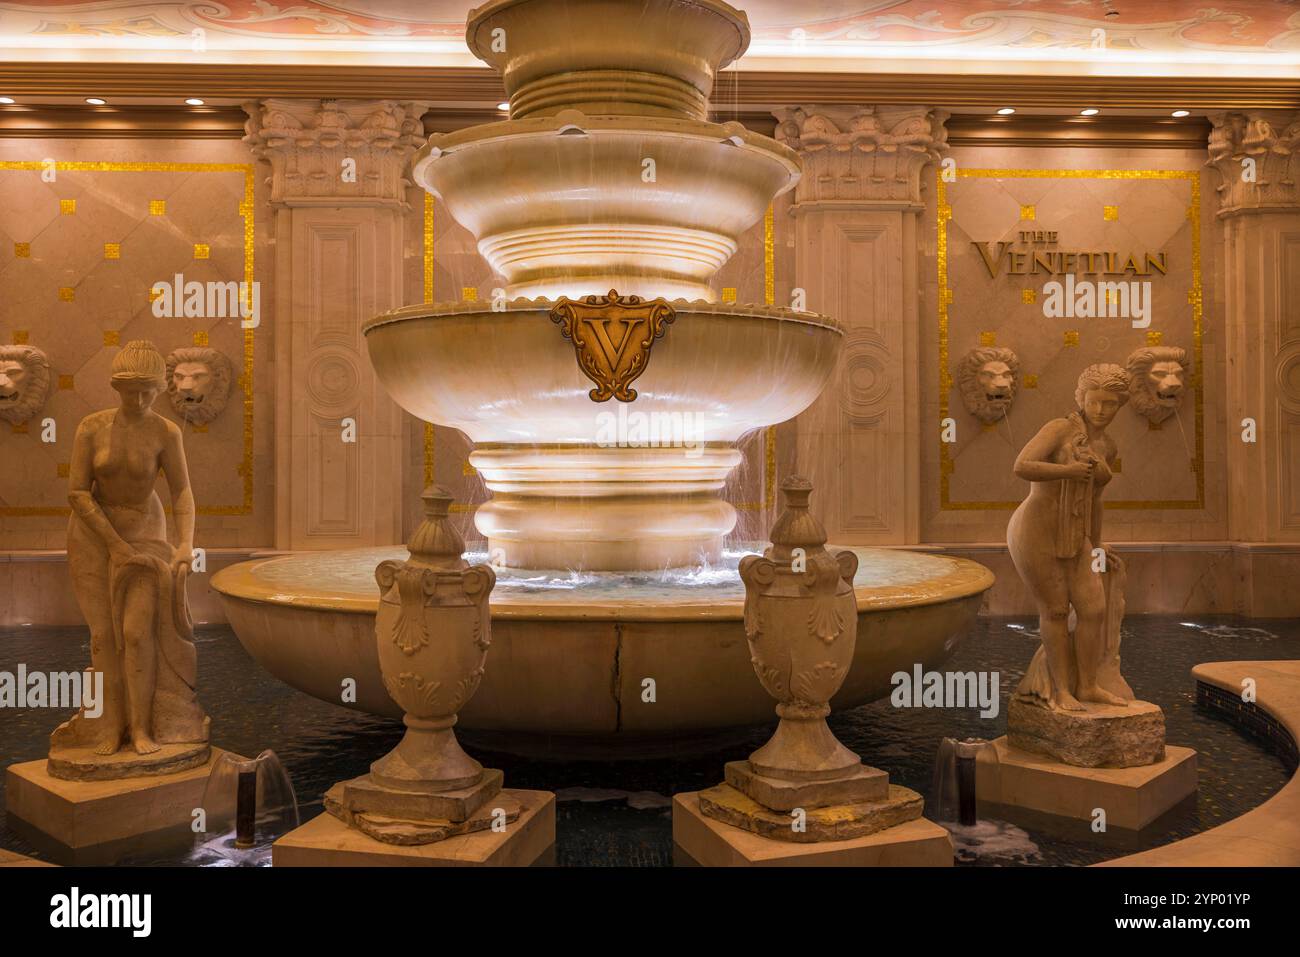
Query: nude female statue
[129,581]
[1051,537]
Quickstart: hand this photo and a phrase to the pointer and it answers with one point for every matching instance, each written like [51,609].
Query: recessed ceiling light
[1006,111]
[1090,111]
[193,101]
[95,101]
[1180,113]
[503,107]
[6,100]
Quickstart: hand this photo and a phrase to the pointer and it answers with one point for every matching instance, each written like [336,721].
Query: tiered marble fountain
[608,201]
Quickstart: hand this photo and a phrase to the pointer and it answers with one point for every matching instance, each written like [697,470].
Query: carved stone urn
[801,621]
[433,631]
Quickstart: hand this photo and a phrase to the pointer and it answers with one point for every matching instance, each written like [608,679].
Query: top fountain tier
[607,175]
[613,57]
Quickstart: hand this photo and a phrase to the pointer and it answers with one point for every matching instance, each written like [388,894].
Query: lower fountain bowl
[612,665]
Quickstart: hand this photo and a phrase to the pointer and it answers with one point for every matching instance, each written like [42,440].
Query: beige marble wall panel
[853,442]
[1171,486]
[78,258]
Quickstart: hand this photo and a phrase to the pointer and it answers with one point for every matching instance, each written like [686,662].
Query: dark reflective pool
[617,813]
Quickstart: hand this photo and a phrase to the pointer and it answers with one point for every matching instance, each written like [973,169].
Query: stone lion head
[987,381]
[198,383]
[1158,378]
[24,382]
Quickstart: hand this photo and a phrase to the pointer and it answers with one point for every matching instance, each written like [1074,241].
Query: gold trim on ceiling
[734,89]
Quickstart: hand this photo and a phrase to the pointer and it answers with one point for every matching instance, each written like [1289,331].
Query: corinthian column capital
[336,152]
[1257,154]
[869,155]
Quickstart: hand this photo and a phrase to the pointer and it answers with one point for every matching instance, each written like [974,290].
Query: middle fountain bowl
[574,485]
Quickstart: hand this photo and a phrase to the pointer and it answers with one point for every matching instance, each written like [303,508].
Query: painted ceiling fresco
[919,28]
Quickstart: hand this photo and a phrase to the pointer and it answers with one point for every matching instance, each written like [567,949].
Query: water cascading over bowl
[607,177]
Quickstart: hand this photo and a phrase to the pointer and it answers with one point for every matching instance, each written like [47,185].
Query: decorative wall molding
[1086,132]
[862,154]
[735,89]
[310,144]
[1257,156]
[69,121]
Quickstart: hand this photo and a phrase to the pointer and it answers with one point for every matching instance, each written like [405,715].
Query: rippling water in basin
[351,574]
[618,813]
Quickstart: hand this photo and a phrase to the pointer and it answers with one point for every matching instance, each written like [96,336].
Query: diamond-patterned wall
[1169,485]
[83,241]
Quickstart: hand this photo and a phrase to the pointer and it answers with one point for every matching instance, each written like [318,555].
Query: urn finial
[436,542]
[796,526]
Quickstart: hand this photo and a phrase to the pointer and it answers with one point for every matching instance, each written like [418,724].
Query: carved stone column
[1257,156]
[339,174]
[857,212]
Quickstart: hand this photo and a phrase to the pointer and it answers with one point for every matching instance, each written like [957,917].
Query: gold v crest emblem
[612,336]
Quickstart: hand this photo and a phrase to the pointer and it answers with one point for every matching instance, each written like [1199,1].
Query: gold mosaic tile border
[1195,298]
[247,212]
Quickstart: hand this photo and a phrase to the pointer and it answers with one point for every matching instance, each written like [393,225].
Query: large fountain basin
[568,666]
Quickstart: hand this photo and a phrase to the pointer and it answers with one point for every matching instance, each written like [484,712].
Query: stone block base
[864,784]
[10,859]
[78,814]
[1131,797]
[841,822]
[401,821]
[1103,736]
[701,840]
[325,841]
[416,817]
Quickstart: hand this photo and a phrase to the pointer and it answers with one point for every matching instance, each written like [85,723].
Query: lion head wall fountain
[608,201]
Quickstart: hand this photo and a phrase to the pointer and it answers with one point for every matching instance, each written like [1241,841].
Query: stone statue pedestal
[1102,736]
[83,764]
[528,839]
[85,813]
[1070,763]
[1132,797]
[707,841]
